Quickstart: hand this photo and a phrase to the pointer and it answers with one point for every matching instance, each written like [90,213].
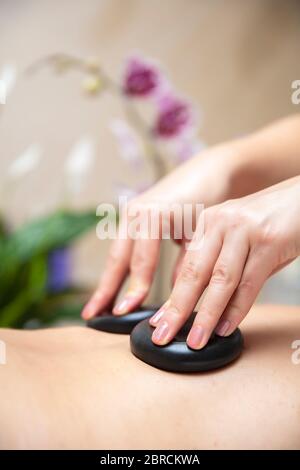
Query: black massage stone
[122,324]
[178,357]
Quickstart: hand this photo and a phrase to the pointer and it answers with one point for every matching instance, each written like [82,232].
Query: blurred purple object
[59,269]
[175,116]
[141,78]
[129,148]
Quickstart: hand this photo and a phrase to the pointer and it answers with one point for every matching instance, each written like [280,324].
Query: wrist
[249,170]
[233,165]
[267,157]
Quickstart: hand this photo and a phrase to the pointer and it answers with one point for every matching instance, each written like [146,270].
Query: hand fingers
[143,264]
[190,284]
[257,270]
[225,278]
[117,266]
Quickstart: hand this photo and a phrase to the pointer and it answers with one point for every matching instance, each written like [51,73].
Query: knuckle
[205,315]
[232,215]
[247,285]
[267,235]
[237,220]
[222,275]
[173,312]
[189,272]
[140,262]
[224,216]
[223,210]
[234,311]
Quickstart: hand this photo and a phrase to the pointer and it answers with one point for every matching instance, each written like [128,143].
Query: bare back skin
[75,388]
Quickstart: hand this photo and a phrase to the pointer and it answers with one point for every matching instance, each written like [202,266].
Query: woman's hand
[204,179]
[244,241]
[224,172]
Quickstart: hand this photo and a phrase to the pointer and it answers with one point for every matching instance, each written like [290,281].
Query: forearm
[235,168]
[266,157]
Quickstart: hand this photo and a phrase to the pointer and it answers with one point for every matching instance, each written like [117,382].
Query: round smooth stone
[178,357]
[122,324]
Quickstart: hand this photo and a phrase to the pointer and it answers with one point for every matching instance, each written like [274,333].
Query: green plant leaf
[11,313]
[43,235]
[3,229]
[39,237]
[23,261]
[33,291]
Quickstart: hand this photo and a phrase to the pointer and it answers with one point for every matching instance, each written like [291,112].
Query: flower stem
[65,61]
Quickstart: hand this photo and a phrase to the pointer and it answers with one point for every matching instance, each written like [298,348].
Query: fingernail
[132,297]
[88,311]
[122,307]
[222,328]
[155,319]
[127,303]
[195,337]
[92,306]
[157,316]
[161,333]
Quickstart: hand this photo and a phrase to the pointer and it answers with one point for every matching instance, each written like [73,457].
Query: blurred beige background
[235,58]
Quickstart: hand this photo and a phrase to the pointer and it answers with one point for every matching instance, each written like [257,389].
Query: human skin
[76,388]
[242,242]
[226,172]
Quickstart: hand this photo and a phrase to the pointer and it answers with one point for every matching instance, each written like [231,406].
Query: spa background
[235,60]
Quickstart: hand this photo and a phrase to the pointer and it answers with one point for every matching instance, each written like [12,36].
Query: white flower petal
[81,157]
[78,163]
[8,77]
[26,162]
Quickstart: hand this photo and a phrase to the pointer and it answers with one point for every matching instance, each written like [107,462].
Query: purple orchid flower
[59,269]
[175,116]
[141,77]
